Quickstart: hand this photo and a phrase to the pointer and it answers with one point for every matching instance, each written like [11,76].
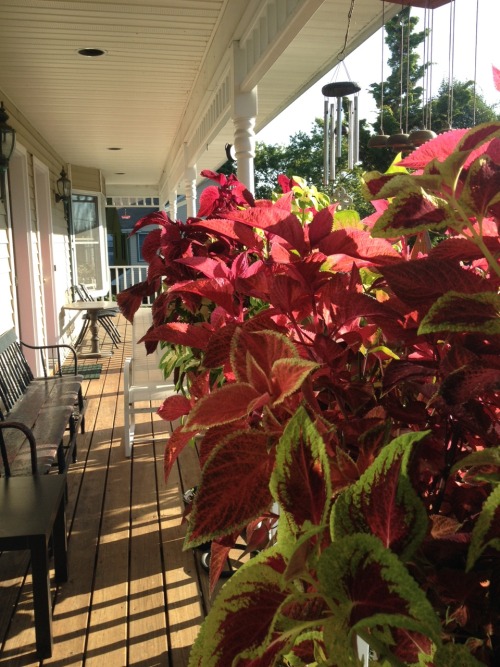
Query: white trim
[41,176]
[28,279]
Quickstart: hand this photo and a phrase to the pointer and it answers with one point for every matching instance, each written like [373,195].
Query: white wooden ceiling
[150,92]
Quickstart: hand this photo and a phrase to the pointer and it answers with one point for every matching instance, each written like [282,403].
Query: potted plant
[348,371]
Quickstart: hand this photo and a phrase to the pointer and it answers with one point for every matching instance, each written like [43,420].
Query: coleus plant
[348,372]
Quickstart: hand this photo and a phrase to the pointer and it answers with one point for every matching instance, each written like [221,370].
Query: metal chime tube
[326,144]
[339,126]
[332,142]
[355,129]
[350,147]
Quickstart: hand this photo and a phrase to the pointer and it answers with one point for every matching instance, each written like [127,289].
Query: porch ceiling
[164,59]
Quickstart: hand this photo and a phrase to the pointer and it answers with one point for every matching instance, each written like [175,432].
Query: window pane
[85,222]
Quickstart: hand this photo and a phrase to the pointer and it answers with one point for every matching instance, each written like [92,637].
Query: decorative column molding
[244,112]
[190,186]
[172,201]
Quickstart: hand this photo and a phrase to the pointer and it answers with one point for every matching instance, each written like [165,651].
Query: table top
[91,305]
[29,504]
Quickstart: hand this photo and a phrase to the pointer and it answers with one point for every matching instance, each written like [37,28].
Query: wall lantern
[7,143]
[63,185]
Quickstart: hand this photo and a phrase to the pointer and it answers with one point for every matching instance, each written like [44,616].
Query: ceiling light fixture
[91,52]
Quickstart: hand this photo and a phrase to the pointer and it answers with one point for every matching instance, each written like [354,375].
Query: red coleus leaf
[496,77]
[463,250]
[345,245]
[211,268]
[265,347]
[173,447]
[174,407]
[439,148]
[383,502]
[180,333]
[226,404]
[474,379]
[321,225]
[275,220]
[208,199]
[130,299]
[232,230]
[154,218]
[422,281]
[241,465]
[218,290]
[288,295]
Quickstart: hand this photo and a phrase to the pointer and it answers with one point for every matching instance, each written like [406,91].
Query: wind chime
[336,123]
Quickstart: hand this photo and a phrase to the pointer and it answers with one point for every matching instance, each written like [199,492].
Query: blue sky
[362,67]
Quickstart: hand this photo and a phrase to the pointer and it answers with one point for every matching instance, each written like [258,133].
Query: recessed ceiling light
[114,148]
[120,173]
[91,52]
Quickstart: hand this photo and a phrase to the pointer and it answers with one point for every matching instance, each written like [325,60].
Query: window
[89,242]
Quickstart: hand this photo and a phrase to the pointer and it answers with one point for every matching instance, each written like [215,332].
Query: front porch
[133,596]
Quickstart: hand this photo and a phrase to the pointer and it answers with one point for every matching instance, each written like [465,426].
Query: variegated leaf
[459,312]
[383,502]
[301,478]
[370,588]
[486,532]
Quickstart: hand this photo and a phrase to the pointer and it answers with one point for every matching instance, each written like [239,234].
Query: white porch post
[190,186]
[172,201]
[244,112]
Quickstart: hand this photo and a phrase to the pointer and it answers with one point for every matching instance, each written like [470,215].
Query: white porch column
[172,207]
[190,187]
[244,112]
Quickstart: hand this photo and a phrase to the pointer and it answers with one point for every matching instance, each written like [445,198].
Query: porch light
[63,186]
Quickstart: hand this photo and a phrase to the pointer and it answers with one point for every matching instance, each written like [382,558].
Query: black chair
[81,293]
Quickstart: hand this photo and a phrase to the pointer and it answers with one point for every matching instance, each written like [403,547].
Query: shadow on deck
[134,597]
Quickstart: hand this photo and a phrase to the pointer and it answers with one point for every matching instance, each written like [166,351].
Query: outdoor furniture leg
[41,596]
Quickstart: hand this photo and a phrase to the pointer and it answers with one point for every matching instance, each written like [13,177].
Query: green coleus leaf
[455,655]
[412,211]
[383,502]
[369,588]
[241,617]
[240,466]
[458,312]
[300,482]
[485,457]
[486,532]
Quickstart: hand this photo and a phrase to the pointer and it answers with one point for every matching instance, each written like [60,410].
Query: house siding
[33,146]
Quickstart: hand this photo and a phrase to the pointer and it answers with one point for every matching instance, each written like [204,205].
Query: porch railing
[126,275]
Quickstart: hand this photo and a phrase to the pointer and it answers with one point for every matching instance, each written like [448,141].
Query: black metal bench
[39,417]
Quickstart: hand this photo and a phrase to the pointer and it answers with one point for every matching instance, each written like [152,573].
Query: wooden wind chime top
[423,4]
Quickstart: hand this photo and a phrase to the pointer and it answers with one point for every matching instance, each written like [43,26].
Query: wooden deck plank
[133,596]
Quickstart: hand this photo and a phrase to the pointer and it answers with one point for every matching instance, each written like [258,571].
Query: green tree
[460,106]
[402,91]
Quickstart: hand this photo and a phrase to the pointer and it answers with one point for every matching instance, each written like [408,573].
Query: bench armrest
[31,439]
[56,354]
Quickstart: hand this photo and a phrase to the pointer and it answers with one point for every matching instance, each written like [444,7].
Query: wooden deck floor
[133,597]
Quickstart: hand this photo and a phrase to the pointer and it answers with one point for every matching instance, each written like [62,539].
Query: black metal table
[32,508]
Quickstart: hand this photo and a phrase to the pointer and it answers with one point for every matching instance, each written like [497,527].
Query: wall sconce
[63,186]
[7,143]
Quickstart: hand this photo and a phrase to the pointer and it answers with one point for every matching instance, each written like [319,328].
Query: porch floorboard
[133,597]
